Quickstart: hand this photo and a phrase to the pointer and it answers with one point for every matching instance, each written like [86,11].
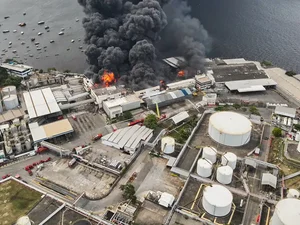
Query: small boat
[46,27]
[32,39]
[10,43]
[80,47]
[22,43]
[24,13]
[45,47]
[9,46]
[22,24]
[68,49]
[40,33]
[79,39]
[22,32]
[27,46]
[14,31]
[61,33]
[38,49]
[6,17]
[57,54]
[36,43]
[72,41]
[14,51]
[5,31]
[41,22]
[77,20]
[48,30]
[30,55]
[62,29]
[51,41]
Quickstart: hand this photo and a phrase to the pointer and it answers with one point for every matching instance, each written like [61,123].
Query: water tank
[13,129]
[9,90]
[284,122]
[10,102]
[24,220]
[210,153]
[28,144]
[229,128]
[23,125]
[217,200]
[204,167]
[278,119]
[289,122]
[18,147]
[26,118]
[297,137]
[295,121]
[292,193]
[287,212]
[167,145]
[16,122]
[224,174]
[229,159]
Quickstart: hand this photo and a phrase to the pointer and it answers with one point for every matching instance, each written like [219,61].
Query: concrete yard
[151,214]
[292,151]
[79,179]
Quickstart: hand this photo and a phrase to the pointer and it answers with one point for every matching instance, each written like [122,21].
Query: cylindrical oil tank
[229,159]
[287,212]
[229,128]
[224,174]
[10,102]
[1,107]
[13,129]
[18,147]
[204,167]
[217,200]
[16,121]
[26,118]
[289,122]
[24,220]
[297,137]
[23,125]
[28,144]
[167,145]
[8,150]
[292,193]
[9,90]
[278,119]
[295,121]
[284,122]
[210,153]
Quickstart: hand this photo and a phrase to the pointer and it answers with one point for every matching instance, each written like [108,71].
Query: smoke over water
[130,37]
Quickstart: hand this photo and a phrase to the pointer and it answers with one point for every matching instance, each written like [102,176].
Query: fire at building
[108,78]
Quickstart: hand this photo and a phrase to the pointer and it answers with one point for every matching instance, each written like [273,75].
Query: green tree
[266,63]
[51,69]
[128,192]
[236,106]
[254,110]
[12,80]
[277,132]
[127,115]
[41,71]
[297,126]
[290,73]
[67,71]
[151,121]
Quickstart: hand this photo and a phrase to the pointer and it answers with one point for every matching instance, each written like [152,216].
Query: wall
[131,105]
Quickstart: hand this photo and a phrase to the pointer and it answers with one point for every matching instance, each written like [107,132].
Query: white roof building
[128,138]
[17,69]
[166,200]
[250,85]
[40,103]
[180,117]
[116,107]
[285,111]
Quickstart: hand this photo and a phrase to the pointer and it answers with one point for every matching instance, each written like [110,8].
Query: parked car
[5,176]
[30,173]
[48,160]
[42,149]
[18,176]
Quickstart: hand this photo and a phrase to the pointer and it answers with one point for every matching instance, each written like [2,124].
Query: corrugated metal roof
[239,84]
[285,111]
[269,179]
[252,89]
[180,117]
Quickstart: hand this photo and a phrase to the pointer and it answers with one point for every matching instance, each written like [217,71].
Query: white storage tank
[24,220]
[26,118]
[210,153]
[287,212]
[10,102]
[13,129]
[292,193]
[167,145]
[278,119]
[217,200]
[229,128]
[9,90]
[224,174]
[284,122]
[18,147]
[297,136]
[229,159]
[289,122]
[204,167]
[28,144]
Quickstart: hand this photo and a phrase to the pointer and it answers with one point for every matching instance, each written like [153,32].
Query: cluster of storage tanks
[285,121]
[224,171]
[17,137]
[9,98]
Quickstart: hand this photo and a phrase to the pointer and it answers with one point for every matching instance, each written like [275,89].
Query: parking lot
[79,179]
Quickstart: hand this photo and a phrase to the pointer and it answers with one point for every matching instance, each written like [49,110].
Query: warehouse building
[167,98]
[285,111]
[128,139]
[243,86]
[118,106]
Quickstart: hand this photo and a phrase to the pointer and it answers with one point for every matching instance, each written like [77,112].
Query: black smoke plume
[129,37]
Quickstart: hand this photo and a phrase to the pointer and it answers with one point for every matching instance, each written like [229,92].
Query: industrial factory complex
[217,148]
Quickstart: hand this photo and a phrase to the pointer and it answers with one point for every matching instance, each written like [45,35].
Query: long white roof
[40,103]
[243,84]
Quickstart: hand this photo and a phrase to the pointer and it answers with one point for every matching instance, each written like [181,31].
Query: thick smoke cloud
[125,37]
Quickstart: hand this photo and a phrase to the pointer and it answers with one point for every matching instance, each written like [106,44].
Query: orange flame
[108,78]
[181,73]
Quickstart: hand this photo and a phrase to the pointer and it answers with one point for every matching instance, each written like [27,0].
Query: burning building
[125,37]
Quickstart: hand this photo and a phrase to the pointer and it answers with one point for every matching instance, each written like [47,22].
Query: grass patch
[16,200]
